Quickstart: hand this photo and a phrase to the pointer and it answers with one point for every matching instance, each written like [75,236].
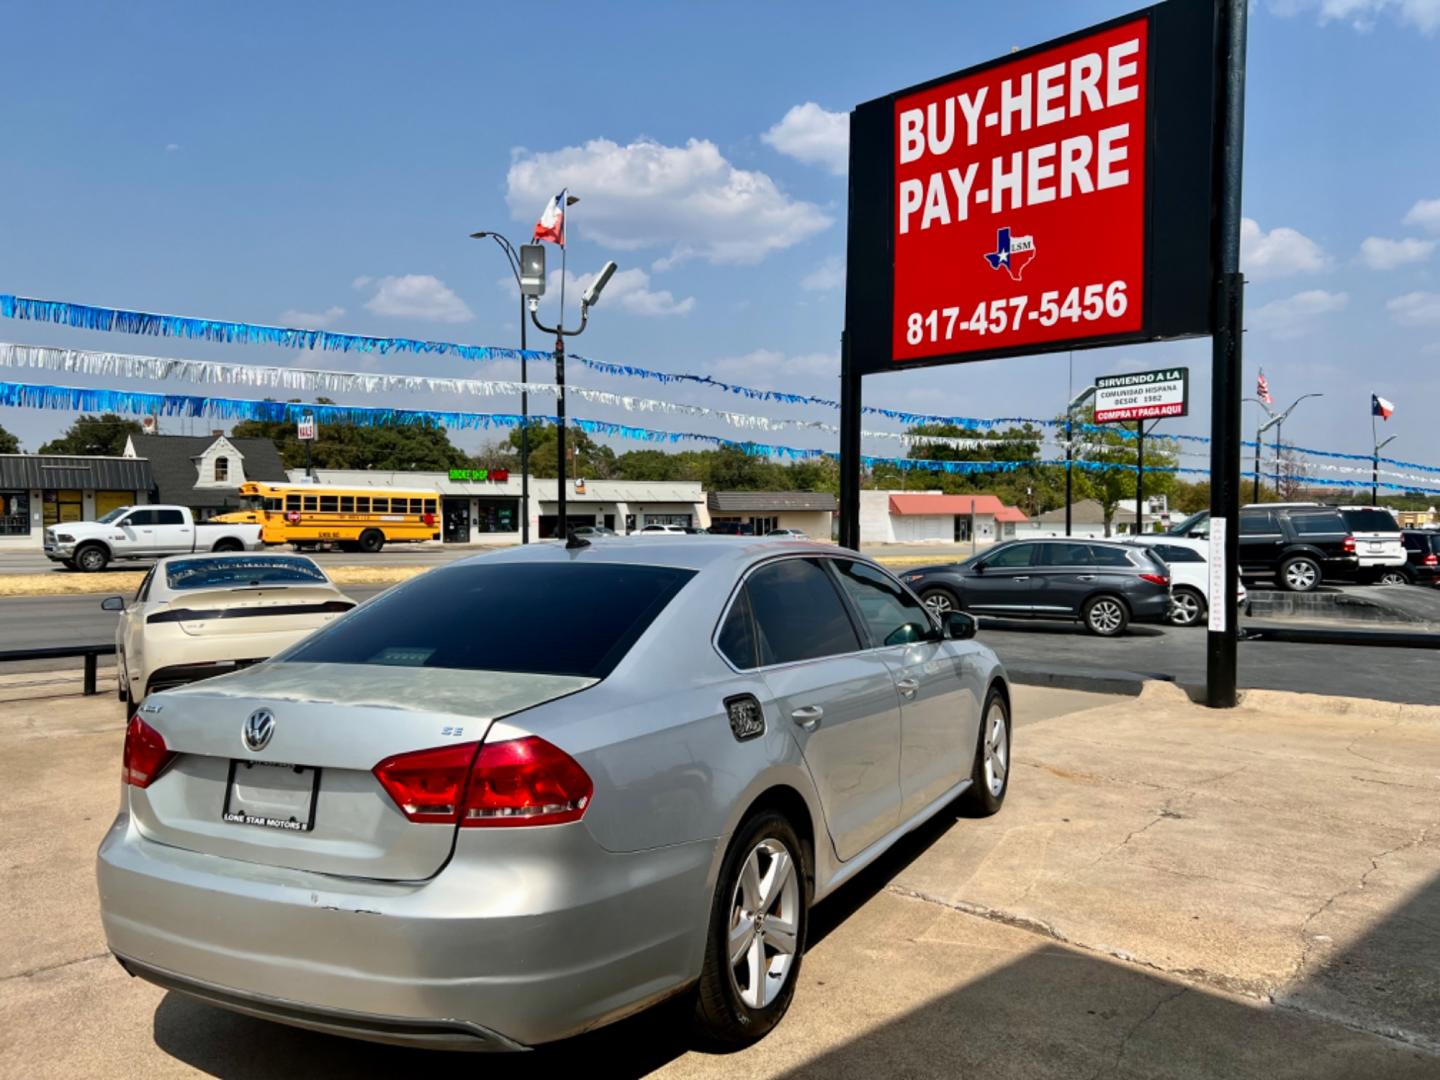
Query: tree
[417,447]
[586,459]
[98,435]
[1111,487]
[9,444]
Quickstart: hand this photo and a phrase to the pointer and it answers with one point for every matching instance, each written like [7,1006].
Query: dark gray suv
[1103,584]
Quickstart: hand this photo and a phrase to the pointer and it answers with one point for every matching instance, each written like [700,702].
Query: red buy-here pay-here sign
[1020,201]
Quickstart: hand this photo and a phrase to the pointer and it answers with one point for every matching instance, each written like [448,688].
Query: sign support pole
[1140,477]
[1222,644]
[850,400]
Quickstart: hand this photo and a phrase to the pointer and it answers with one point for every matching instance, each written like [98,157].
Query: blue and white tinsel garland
[120,320]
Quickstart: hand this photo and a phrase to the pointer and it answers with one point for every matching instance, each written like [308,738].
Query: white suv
[1189,565]
[1378,541]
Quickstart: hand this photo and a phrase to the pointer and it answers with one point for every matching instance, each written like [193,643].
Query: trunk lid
[254,610]
[336,722]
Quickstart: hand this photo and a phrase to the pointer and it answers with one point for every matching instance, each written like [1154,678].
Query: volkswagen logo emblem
[259,726]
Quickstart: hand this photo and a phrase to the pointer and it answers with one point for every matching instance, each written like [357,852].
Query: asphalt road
[1384,674]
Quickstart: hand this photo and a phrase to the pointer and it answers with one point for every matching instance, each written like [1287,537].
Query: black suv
[1422,548]
[1298,546]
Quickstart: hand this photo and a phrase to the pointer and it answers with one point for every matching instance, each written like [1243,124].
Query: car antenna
[575,543]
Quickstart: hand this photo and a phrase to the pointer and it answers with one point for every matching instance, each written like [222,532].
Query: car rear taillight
[1156,579]
[146,754]
[518,782]
[1349,544]
[1432,559]
[428,785]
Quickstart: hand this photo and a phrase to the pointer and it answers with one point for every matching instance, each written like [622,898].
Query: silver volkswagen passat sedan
[525,794]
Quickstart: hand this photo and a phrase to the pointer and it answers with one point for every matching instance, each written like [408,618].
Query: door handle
[1023,577]
[1086,577]
[807,716]
[907,686]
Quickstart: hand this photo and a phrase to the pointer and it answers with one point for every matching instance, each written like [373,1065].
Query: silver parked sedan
[525,794]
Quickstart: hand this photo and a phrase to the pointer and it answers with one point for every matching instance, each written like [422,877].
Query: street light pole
[1275,421]
[514,261]
[1258,432]
[1375,463]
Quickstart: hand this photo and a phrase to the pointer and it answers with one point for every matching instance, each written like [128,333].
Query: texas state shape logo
[1012,253]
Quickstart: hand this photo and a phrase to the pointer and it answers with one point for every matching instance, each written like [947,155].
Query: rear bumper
[1149,608]
[520,940]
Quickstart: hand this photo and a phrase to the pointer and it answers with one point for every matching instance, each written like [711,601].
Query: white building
[932,517]
[38,490]
[477,508]
[1087,518]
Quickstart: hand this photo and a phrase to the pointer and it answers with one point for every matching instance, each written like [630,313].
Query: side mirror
[979,568]
[960,626]
[113,603]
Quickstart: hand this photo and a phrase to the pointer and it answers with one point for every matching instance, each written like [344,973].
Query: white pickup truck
[142,532]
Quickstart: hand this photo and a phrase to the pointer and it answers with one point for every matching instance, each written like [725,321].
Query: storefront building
[483,506]
[811,512]
[932,517]
[38,490]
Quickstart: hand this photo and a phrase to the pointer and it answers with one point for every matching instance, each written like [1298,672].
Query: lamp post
[1074,404]
[513,259]
[1258,432]
[1275,422]
[1375,463]
[589,300]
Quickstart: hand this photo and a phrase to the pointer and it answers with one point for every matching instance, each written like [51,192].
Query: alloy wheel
[1301,576]
[1106,617]
[997,749]
[939,603]
[764,923]
[1394,577]
[1184,609]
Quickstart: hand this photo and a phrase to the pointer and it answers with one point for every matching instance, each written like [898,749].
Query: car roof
[698,552]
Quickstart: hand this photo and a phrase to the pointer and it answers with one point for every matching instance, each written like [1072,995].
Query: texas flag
[1380,407]
[551,225]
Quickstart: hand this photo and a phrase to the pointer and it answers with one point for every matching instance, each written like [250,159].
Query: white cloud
[311,320]
[813,135]
[829,275]
[688,199]
[1416,308]
[1381,254]
[775,366]
[1424,15]
[414,296]
[1294,316]
[1426,214]
[1278,253]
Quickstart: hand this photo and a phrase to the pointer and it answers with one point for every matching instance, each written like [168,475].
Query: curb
[1314,635]
[1098,682]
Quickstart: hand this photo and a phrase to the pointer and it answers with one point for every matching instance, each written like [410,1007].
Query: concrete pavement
[1168,892]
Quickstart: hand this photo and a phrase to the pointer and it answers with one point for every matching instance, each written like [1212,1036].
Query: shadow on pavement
[1066,629]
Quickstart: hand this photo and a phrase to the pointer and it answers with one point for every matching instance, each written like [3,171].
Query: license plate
[1377,547]
[271,795]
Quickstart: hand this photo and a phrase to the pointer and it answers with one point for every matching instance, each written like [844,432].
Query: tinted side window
[169,517]
[1331,524]
[1012,558]
[1258,522]
[737,636]
[1174,553]
[1109,556]
[1065,555]
[798,613]
[892,616]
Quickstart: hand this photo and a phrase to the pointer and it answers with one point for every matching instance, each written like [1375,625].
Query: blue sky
[324,162]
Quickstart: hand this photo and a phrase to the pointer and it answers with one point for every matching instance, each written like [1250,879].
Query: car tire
[371,541]
[990,776]
[940,601]
[69,564]
[1187,607]
[228,544]
[1299,574]
[729,1015]
[92,558]
[1394,577]
[1105,616]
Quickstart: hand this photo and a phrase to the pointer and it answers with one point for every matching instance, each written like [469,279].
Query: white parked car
[1379,543]
[196,616]
[792,534]
[143,532]
[1189,576]
[656,528]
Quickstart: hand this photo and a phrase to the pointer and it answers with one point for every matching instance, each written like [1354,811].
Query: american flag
[1262,389]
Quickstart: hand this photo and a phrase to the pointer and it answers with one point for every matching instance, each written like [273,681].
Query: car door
[172,532]
[939,706]
[1001,582]
[130,635]
[837,697]
[1261,541]
[138,529]
[1064,575]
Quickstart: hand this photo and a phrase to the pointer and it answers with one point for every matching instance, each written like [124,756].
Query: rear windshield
[225,573]
[1370,521]
[536,618]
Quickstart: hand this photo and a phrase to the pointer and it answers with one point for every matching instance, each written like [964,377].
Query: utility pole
[1375,463]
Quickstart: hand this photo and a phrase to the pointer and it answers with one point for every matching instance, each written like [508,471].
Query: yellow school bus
[350,518]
